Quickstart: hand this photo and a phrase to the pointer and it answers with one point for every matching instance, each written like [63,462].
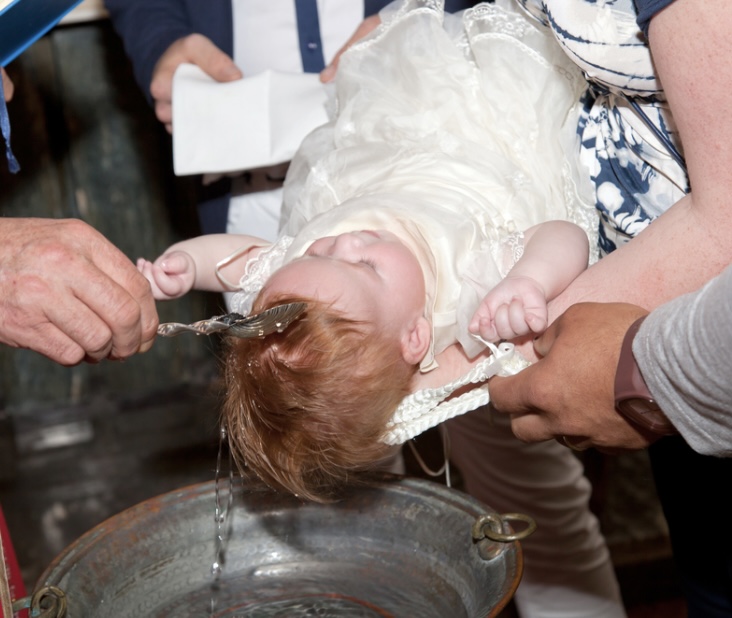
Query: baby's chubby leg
[567,567]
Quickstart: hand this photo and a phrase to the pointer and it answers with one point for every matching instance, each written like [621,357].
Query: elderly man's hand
[69,294]
[569,393]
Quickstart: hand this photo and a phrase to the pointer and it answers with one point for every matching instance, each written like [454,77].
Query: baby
[307,407]
[434,207]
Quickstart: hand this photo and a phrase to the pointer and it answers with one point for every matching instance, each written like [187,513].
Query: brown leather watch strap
[633,400]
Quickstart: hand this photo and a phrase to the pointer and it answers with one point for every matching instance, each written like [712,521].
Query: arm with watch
[614,377]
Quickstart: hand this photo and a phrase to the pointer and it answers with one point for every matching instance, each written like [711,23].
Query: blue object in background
[23,22]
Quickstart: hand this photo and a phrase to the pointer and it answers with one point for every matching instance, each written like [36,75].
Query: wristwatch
[633,400]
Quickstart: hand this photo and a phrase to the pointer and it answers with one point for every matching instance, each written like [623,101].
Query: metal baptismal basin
[394,547]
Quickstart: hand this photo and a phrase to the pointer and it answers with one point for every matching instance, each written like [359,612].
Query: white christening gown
[460,127]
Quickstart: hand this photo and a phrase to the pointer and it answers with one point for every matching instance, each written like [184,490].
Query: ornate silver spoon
[275,319]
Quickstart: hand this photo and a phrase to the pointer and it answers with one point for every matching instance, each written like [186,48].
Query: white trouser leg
[567,568]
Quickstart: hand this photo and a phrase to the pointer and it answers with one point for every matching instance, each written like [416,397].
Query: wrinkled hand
[366,26]
[172,275]
[194,49]
[69,294]
[570,390]
[515,307]
[8,87]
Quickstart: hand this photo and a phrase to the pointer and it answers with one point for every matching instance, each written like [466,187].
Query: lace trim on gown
[256,273]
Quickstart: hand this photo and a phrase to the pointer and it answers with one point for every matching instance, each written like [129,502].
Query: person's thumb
[213,61]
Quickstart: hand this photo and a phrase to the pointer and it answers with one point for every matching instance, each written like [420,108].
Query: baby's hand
[515,307]
[171,276]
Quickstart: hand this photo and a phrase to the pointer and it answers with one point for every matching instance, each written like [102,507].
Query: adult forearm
[679,252]
[690,243]
[684,351]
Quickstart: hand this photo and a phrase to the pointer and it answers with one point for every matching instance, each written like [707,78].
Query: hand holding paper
[192,49]
[246,124]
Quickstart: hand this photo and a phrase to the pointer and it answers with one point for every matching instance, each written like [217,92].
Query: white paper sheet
[252,122]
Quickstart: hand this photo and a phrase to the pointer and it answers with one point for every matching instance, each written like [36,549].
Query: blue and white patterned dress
[629,143]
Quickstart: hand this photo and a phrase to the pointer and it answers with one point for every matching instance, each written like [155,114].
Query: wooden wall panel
[90,147]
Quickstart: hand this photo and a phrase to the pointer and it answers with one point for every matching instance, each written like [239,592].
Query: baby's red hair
[306,408]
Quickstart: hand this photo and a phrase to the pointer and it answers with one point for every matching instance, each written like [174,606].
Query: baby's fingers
[154,276]
[510,320]
[145,267]
[485,327]
[171,285]
[536,323]
[175,263]
[474,326]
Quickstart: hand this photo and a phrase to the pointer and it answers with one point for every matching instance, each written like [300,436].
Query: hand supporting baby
[515,307]
[171,276]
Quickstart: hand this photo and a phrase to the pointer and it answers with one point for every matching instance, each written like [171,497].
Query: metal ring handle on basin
[489,536]
[47,602]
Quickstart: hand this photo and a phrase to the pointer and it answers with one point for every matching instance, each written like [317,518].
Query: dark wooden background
[89,147]
[80,444]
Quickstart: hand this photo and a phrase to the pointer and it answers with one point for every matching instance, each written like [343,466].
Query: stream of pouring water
[222,521]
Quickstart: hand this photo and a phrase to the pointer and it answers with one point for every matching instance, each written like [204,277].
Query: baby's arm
[555,252]
[191,264]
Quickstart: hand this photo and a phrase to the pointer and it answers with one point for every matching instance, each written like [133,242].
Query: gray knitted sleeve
[684,351]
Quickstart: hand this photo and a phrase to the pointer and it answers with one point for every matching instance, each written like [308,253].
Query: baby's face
[368,275]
